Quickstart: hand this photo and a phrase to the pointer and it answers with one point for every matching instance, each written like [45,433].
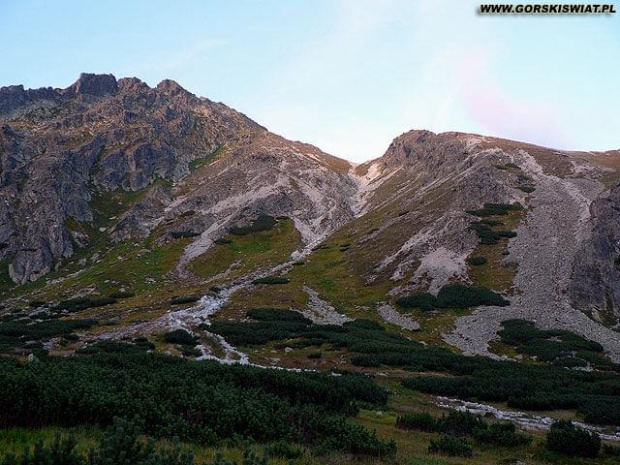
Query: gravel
[387,312]
[544,249]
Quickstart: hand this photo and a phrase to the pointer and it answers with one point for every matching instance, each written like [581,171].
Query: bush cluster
[180,336]
[451,445]
[186,299]
[566,438]
[476,261]
[15,334]
[271,280]
[82,303]
[183,234]
[262,223]
[495,209]
[525,386]
[453,296]
[197,401]
[466,424]
[559,346]
[488,235]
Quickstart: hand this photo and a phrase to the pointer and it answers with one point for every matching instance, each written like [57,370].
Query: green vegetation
[465,424]
[453,296]
[526,189]
[489,236]
[450,445]
[16,334]
[268,314]
[180,336]
[200,162]
[122,444]
[121,295]
[239,255]
[6,283]
[271,280]
[181,234]
[564,348]
[186,299]
[262,223]
[197,401]
[83,303]
[493,209]
[566,438]
[477,261]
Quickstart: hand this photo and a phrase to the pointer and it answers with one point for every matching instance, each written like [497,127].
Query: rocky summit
[113,187]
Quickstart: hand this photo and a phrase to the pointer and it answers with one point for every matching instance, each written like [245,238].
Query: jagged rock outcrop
[61,148]
[595,287]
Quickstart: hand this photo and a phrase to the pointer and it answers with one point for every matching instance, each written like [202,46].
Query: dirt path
[544,249]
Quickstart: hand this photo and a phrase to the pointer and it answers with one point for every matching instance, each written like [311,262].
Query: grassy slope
[245,254]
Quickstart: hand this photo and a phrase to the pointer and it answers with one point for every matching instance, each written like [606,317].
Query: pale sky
[345,75]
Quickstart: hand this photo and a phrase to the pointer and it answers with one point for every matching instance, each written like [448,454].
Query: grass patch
[249,252]
[204,161]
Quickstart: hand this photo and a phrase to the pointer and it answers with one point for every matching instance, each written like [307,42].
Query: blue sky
[345,75]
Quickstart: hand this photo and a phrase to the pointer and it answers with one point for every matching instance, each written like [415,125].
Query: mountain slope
[62,150]
[112,186]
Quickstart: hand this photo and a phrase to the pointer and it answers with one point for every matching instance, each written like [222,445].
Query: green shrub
[459,423]
[262,223]
[557,346]
[487,235]
[526,189]
[315,355]
[268,314]
[502,434]
[245,333]
[566,438]
[495,209]
[612,451]
[222,241]
[187,299]
[190,351]
[283,450]
[454,296]
[271,280]
[180,336]
[111,347]
[121,295]
[422,301]
[37,303]
[476,261]
[418,421]
[364,324]
[14,334]
[450,445]
[185,234]
[367,361]
[83,303]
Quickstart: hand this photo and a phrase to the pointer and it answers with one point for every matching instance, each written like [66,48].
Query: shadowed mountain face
[112,165]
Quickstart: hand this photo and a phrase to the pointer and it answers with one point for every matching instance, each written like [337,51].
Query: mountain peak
[171,87]
[94,84]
